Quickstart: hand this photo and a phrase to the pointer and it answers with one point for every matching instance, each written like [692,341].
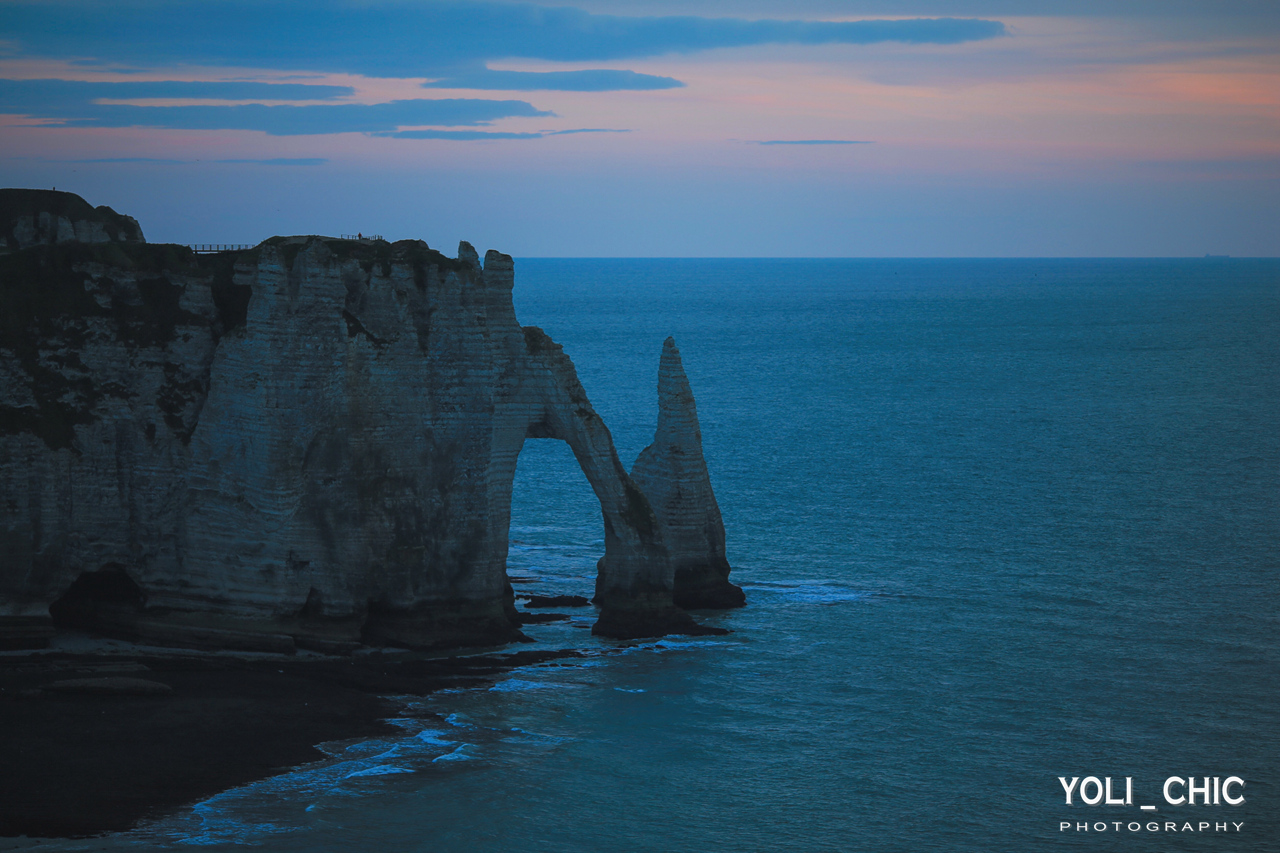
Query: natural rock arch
[635,576]
[312,442]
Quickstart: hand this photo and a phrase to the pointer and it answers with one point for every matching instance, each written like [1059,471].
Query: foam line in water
[380,770]
[458,754]
[352,768]
[809,592]
[512,685]
[433,737]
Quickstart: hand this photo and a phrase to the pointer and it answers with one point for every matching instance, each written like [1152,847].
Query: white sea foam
[513,685]
[523,736]
[673,645]
[352,769]
[233,832]
[433,737]
[459,754]
[379,770]
[810,592]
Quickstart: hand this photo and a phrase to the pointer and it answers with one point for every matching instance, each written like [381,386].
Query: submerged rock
[557,601]
[113,685]
[537,618]
[311,443]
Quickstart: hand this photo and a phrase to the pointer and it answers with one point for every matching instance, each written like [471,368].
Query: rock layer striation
[309,444]
[672,473]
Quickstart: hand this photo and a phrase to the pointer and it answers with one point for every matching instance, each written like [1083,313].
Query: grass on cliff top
[16,202]
[414,253]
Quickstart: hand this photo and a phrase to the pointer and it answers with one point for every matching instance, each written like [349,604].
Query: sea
[998,522]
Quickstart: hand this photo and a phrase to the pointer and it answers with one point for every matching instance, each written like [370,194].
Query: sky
[666,128]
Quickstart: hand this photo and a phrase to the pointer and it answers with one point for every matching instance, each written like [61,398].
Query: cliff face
[673,474]
[312,443]
[33,217]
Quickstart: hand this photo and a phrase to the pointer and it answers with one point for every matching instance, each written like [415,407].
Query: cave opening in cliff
[106,601]
[556,534]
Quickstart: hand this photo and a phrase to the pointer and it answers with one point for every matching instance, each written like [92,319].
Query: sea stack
[672,472]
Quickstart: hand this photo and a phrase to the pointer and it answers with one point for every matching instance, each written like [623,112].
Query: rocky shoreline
[102,734]
[295,462]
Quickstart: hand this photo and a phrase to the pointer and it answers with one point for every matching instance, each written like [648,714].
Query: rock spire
[673,473]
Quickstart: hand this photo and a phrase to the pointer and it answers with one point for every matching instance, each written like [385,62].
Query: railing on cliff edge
[210,248]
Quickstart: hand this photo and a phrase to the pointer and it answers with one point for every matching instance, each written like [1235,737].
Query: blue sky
[698,128]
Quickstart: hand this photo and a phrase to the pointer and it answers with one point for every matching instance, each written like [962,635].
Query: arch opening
[555,535]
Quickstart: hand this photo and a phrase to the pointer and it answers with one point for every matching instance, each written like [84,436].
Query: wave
[379,770]
[459,754]
[513,685]
[808,592]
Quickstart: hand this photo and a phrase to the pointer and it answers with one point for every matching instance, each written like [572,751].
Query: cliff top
[416,253]
[30,217]
[15,202]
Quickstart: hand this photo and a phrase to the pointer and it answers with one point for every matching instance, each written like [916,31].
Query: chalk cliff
[308,444]
[672,473]
[31,217]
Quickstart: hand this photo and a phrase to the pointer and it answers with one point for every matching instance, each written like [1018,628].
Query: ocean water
[997,521]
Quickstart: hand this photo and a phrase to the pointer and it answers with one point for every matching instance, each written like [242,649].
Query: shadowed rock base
[644,616]
[445,625]
[25,632]
[704,588]
[672,472]
[106,603]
